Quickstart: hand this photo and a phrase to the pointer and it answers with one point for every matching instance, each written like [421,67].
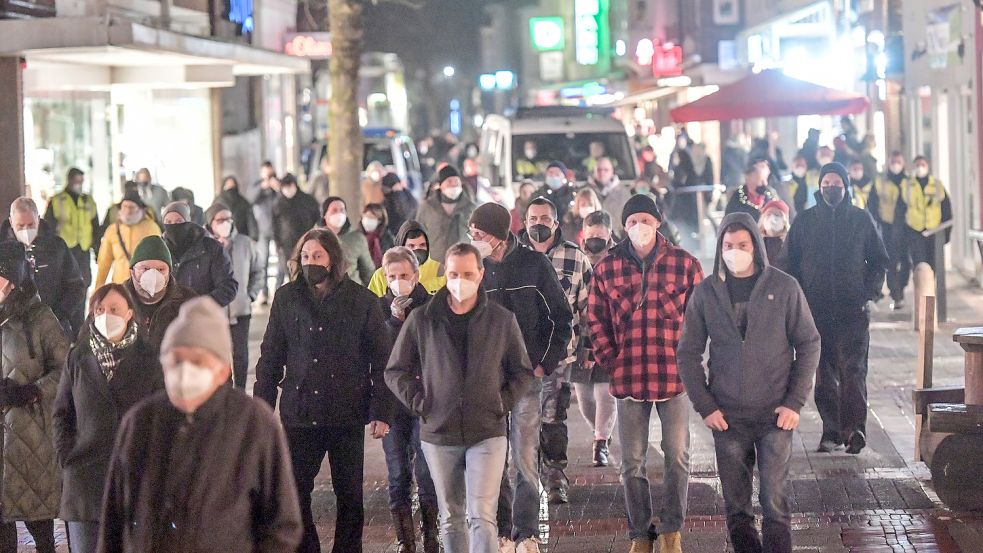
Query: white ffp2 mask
[187,381]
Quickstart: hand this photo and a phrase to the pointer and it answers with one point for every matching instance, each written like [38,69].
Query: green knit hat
[152,248]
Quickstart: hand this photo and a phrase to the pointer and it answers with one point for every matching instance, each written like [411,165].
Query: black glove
[16,395]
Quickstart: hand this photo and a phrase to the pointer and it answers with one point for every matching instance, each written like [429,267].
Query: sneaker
[506,545]
[641,546]
[856,443]
[528,545]
[897,305]
[670,543]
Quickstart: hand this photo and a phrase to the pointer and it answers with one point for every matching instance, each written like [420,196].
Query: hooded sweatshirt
[772,363]
[430,271]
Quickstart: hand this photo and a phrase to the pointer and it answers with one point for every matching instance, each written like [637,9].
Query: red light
[305,46]
[667,60]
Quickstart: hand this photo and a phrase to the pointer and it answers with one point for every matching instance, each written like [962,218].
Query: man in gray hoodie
[764,350]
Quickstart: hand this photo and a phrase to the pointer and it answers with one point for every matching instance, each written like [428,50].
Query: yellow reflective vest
[924,205]
[861,194]
[74,219]
[887,199]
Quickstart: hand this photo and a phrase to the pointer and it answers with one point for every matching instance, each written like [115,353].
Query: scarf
[108,354]
[375,246]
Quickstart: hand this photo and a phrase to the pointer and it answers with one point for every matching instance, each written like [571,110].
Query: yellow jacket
[429,278]
[118,243]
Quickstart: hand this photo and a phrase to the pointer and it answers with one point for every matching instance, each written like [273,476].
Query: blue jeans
[404,459]
[633,433]
[518,513]
[466,480]
[737,449]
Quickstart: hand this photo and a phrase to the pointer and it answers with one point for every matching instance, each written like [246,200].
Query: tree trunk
[344,132]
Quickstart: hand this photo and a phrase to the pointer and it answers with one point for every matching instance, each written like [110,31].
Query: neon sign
[315,46]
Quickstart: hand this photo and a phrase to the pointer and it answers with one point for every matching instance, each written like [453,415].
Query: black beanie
[493,219]
[640,203]
[390,180]
[447,172]
[837,168]
[13,262]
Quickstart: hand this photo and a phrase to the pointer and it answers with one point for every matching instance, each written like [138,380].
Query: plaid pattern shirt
[635,315]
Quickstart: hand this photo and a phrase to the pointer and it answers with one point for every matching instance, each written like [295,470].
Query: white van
[559,134]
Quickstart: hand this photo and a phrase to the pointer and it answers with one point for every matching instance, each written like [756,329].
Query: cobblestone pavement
[877,502]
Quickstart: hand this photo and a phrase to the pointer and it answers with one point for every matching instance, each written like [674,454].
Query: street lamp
[448,71]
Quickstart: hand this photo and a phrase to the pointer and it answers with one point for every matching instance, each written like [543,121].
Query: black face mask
[314,274]
[595,245]
[761,189]
[833,195]
[180,233]
[421,256]
[540,233]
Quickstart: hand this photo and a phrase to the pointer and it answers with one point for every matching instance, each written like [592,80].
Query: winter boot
[429,527]
[403,523]
[601,454]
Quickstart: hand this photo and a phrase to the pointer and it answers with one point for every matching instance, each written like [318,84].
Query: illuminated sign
[240,12]
[667,60]
[315,46]
[546,33]
[587,30]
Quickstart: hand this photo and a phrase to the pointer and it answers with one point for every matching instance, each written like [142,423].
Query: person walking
[154,196]
[133,224]
[247,269]
[801,186]
[294,213]
[412,236]
[203,466]
[325,346]
[543,234]
[355,247]
[33,346]
[557,189]
[752,195]
[242,211]
[763,356]
[54,269]
[187,197]
[404,455]
[398,200]
[460,365]
[773,226]
[835,252]
[592,382]
[884,205]
[635,313]
[73,216]
[262,195]
[158,294]
[110,369]
[525,282]
[926,206]
[444,215]
[612,193]
[375,226]
[860,183]
[585,202]
[199,262]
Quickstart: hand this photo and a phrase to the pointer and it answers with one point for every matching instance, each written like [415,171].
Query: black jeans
[345,447]
[84,260]
[240,351]
[841,380]
[899,267]
[920,248]
[738,448]
[43,532]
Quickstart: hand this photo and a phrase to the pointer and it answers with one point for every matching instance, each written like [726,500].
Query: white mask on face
[289,191]
[187,381]
[452,193]
[224,229]
[896,168]
[401,287]
[856,175]
[737,261]
[921,171]
[152,281]
[110,326]
[584,211]
[774,224]
[370,224]
[462,289]
[337,220]
[799,172]
[26,236]
[641,235]
[484,248]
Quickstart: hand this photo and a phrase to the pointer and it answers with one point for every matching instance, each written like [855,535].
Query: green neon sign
[546,33]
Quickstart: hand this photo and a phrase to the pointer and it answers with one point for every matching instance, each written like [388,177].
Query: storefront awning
[770,93]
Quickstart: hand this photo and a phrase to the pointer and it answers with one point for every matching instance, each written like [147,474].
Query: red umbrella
[770,93]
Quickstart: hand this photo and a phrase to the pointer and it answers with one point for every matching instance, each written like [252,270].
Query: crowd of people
[456,332]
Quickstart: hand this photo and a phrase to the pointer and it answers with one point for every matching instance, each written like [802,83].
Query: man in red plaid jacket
[635,314]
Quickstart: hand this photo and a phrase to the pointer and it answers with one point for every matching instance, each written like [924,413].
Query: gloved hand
[17,395]
[399,307]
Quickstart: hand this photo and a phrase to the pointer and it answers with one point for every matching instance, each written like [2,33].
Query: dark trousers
[404,459]
[240,351]
[263,250]
[43,532]
[282,272]
[83,537]
[920,248]
[84,260]
[738,448]
[553,434]
[345,449]
[899,266]
[841,380]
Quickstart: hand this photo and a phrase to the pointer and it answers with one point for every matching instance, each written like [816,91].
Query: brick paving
[877,502]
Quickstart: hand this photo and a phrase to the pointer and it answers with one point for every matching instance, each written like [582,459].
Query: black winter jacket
[292,217]
[327,355]
[205,267]
[154,321]
[242,212]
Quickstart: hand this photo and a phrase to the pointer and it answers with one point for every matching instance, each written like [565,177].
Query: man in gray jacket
[764,350]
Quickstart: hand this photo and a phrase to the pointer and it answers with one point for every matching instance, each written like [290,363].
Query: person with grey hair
[169,477]
[72,214]
[55,270]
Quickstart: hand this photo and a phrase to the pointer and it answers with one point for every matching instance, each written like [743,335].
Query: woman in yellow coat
[120,239]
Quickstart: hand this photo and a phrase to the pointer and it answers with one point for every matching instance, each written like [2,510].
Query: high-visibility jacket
[861,194]
[887,199]
[924,205]
[74,219]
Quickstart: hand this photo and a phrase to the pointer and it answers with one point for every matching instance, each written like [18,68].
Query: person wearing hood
[836,254]
[764,349]
[773,226]
[133,224]
[752,195]
[55,270]
[412,235]
[925,206]
[187,197]
[375,226]
[33,347]
[242,210]
[72,214]
[543,234]
[199,262]
[153,195]
[801,186]
[158,294]
[294,213]
[460,365]
[612,193]
[110,369]
[404,454]
[635,314]
[247,269]
[354,245]
[200,466]
[324,353]
[884,204]
[398,201]
[525,282]
[557,189]
[444,215]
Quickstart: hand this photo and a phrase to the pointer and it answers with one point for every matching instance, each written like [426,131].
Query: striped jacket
[635,314]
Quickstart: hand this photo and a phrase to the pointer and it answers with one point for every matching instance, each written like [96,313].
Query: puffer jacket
[34,348]
[118,243]
[205,267]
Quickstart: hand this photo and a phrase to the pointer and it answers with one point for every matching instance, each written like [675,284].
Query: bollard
[923,279]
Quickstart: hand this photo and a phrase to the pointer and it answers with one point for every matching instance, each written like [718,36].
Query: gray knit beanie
[180,208]
[200,323]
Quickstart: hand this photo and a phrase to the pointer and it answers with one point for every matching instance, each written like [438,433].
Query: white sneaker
[505,545]
[528,545]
